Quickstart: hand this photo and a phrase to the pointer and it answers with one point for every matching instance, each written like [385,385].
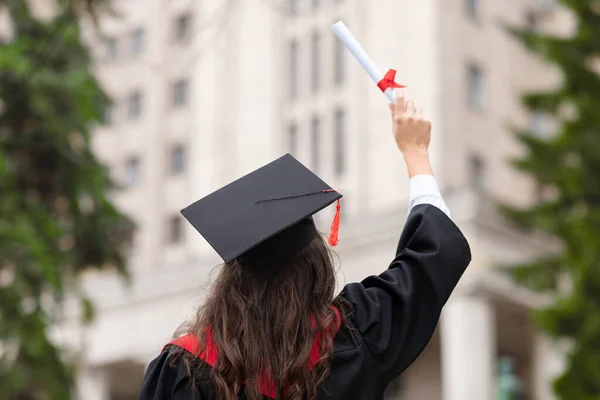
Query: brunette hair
[265,319]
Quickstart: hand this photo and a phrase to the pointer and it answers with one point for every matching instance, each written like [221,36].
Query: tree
[56,218]
[568,163]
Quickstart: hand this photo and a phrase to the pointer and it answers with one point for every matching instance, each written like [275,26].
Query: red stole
[210,354]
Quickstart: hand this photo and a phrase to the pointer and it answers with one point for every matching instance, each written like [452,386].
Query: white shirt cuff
[424,189]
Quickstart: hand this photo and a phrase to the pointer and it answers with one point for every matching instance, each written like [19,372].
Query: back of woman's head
[264,319]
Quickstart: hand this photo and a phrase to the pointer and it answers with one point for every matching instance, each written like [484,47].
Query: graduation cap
[266,215]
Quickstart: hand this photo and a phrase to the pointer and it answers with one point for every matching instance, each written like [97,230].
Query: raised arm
[397,311]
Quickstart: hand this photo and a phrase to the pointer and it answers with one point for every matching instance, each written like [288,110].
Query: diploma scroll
[384,82]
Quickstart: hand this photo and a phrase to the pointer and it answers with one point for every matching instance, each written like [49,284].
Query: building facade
[206,91]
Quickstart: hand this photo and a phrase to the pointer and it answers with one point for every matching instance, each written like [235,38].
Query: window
[294,70]
[132,172]
[109,114]
[111,49]
[137,41]
[316,61]
[175,230]
[339,73]
[476,172]
[475,87]
[134,108]
[293,7]
[183,27]
[473,8]
[339,146]
[293,138]
[180,93]
[178,159]
[316,143]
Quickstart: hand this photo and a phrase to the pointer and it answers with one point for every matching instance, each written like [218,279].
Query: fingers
[404,107]
[399,109]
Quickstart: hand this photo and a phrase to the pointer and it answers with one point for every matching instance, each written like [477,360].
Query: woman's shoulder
[347,336]
[169,375]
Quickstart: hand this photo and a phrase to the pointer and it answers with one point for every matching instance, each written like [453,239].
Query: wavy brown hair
[265,320]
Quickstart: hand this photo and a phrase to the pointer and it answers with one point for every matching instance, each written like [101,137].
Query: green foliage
[568,163]
[56,219]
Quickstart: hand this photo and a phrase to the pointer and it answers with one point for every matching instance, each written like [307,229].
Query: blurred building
[206,91]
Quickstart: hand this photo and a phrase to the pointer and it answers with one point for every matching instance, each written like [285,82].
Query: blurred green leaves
[568,163]
[56,219]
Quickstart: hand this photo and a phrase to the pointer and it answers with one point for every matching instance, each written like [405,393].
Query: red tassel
[335,226]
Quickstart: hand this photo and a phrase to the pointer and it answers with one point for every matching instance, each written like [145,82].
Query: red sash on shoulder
[210,354]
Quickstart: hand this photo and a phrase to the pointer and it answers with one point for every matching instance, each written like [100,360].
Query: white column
[548,364]
[93,384]
[468,349]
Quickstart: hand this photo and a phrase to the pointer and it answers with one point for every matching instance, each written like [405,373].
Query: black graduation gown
[394,317]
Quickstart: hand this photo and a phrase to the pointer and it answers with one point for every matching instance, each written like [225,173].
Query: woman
[271,326]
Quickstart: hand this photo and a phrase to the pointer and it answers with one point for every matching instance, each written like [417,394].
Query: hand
[411,131]
[413,134]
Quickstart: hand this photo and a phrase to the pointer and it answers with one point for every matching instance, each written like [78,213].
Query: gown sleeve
[167,380]
[396,312]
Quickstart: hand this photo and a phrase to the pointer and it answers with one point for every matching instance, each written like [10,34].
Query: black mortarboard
[265,215]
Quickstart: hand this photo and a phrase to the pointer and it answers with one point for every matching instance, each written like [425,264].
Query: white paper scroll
[342,32]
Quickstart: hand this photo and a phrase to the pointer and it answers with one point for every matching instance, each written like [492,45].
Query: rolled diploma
[342,32]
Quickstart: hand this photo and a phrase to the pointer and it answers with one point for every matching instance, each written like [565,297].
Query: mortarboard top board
[264,215]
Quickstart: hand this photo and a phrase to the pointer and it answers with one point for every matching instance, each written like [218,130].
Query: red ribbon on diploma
[388,81]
